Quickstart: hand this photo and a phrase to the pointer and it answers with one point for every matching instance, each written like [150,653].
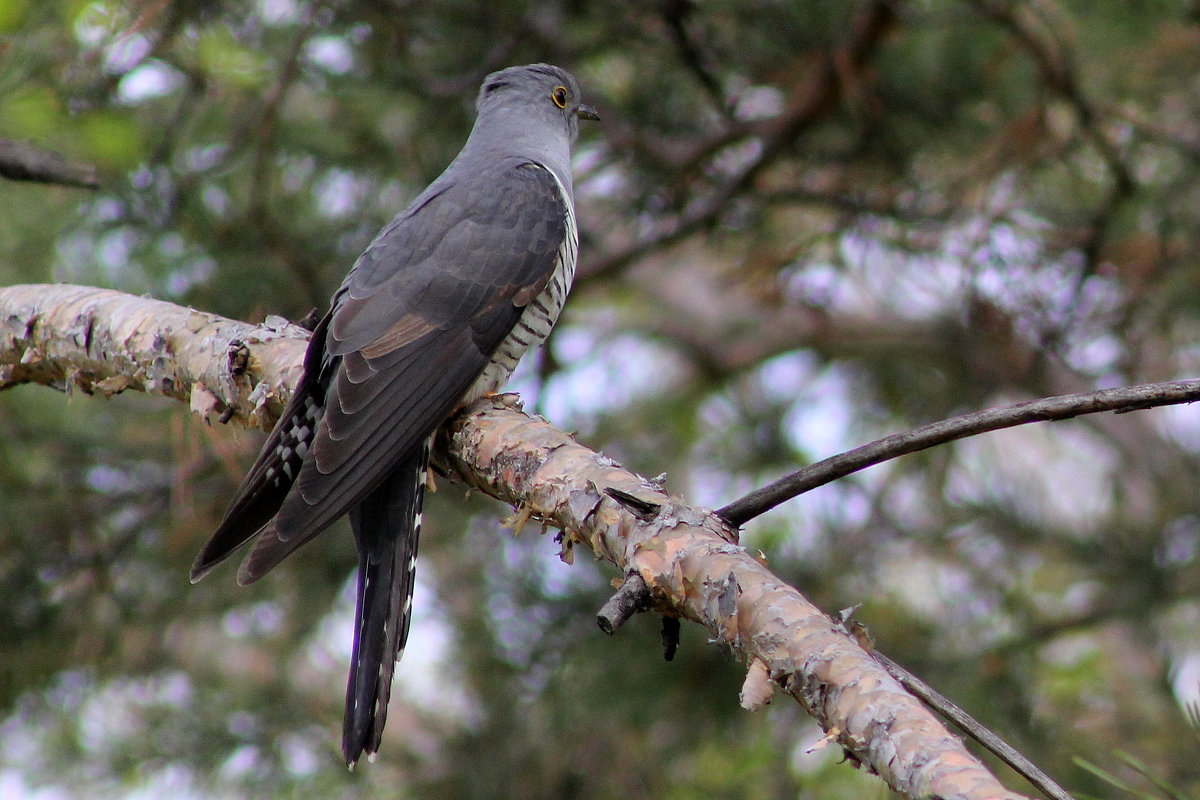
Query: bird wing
[411,329]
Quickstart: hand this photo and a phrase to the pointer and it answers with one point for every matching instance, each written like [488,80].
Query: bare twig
[1126,398]
[670,637]
[973,728]
[675,14]
[632,597]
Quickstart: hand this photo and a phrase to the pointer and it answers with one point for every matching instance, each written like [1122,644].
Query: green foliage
[1156,787]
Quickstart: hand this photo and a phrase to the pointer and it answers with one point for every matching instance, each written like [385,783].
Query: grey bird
[434,314]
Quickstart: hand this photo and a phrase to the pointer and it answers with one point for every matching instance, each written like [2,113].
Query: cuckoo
[434,314]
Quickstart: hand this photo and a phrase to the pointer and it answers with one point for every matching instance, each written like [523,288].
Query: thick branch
[101,341]
[694,568]
[688,558]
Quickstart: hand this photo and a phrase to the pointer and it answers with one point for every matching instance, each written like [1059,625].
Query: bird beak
[586,112]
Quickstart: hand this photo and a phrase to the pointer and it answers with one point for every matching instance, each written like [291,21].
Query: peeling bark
[105,342]
[695,569]
[79,338]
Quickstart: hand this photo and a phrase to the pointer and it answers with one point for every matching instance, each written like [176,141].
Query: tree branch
[689,559]
[974,729]
[810,100]
[100,341]
[695,569]
[22,162]
[1123,399]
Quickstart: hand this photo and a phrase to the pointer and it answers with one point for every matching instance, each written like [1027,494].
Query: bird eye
[559,96]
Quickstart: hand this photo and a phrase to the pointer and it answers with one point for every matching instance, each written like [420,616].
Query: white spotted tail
[387,528]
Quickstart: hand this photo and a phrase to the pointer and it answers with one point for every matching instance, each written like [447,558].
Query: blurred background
[805,225]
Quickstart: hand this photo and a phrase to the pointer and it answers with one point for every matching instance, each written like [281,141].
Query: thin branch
[23,162]
[811,99]
[694,570]
[675,14]
[1126,398]
[858,204]
[265,125]
[1059,71]
[973,728]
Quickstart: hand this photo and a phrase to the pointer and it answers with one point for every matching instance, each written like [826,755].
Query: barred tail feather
[265,487]
[387,525]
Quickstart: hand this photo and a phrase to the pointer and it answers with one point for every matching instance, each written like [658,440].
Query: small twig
[973,728]
[632,597]
[1121,400]
[21,162]
[670,637]
[644,510]
[309,321]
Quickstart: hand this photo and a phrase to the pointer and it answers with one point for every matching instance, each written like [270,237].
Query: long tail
[387,525]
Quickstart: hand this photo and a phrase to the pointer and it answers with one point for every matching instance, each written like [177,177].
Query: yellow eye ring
[559,96]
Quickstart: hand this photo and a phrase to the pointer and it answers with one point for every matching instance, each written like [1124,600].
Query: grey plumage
[436,312]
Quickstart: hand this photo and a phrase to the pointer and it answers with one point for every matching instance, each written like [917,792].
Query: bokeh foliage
[806,224]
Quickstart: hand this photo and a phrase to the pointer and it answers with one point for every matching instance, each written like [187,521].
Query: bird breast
[539,316]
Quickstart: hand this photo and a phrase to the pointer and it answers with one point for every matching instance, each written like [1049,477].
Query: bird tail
[264,488]
[267,484]
[387,525]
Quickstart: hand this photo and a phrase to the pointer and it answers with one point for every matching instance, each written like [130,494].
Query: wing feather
[263,489]
[411,329]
